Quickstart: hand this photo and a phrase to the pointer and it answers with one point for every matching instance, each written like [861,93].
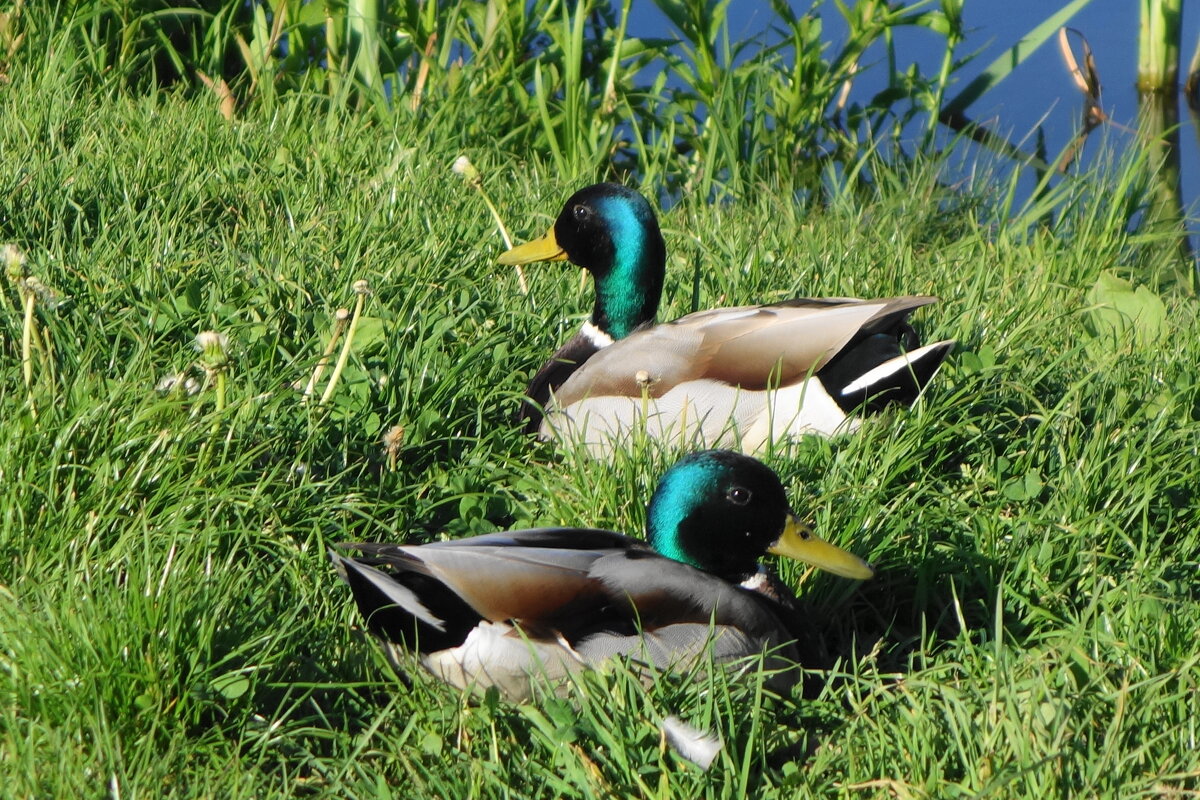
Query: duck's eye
[582,213]
[739,495]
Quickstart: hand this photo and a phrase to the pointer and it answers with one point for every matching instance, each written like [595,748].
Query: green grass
[170,625]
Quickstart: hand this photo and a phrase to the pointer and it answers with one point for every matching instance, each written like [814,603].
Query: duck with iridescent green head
[502,609]
[732,377]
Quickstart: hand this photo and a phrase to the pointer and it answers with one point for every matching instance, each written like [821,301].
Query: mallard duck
[738,377]
[498,609]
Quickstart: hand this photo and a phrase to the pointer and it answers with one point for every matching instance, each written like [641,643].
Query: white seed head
[463,166]
[14,261]
[211,341]
[393,439]
[362,287]
[47,297]
[342,314]
[213,347]
[178,382]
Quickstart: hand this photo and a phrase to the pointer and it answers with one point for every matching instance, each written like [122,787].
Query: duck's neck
[628,290]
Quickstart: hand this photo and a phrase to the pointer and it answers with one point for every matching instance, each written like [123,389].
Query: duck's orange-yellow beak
[543,249]
[799,542]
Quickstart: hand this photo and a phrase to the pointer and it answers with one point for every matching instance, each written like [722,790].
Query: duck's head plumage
[612,232]
[717,511]
[721,511]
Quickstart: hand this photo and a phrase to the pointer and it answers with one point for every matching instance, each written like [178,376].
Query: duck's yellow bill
[799,542]
[543,249]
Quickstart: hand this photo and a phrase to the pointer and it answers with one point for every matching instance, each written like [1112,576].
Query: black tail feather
[882,370]
[433,618]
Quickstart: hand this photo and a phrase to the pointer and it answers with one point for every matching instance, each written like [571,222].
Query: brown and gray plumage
[739,377]
[501,609]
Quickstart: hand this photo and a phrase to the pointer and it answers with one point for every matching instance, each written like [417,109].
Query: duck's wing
[545,578]
[682,614]
[443,589]
[660,592]
[753,347]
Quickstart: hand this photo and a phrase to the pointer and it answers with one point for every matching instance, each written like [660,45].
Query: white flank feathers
[702,413]
[496,654]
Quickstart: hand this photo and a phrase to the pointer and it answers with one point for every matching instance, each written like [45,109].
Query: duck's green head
[611,232]
[721,511]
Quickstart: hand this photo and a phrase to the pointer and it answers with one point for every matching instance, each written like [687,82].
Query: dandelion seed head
[393,439]
[47,297]
[14,261]
[463,166]
[213,347]
[178,382]
[208,341]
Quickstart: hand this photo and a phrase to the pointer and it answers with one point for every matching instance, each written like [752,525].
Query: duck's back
[743,376]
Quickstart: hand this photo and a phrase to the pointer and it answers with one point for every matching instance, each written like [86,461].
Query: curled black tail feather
[881,370]
[414,610]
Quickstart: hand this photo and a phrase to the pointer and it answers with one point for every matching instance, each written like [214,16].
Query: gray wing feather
[749,346]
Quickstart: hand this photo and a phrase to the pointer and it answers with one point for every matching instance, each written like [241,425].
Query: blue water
[1040,92]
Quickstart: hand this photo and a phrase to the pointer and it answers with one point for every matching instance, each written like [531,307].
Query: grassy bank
[169,623]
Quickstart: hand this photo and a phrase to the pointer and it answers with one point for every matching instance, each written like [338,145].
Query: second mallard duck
[500,609]
[738,377]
